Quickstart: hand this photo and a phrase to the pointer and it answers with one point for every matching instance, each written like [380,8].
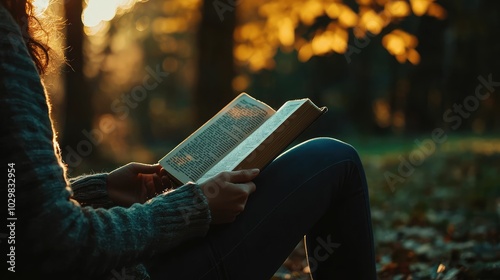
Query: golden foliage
[402,45]
[397,8]
[97,14]
[267,26]
[419,7]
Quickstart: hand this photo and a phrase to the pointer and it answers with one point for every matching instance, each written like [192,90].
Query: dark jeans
[318,189]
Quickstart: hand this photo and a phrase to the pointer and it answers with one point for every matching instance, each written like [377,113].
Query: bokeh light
[269,26]
[40,6]
[97,13]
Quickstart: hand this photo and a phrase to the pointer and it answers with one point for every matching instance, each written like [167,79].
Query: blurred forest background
[413,84]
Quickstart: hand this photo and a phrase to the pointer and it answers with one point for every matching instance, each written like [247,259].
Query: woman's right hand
[227,193]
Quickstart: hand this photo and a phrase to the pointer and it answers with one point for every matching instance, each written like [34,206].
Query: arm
[124,186]
[55,234]
[90,190]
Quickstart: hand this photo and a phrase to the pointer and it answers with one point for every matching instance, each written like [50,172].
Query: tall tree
[215,59]
[77,99]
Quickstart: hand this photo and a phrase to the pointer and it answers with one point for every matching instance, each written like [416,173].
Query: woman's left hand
[135,183]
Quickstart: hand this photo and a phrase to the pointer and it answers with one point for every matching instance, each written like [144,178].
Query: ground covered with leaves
[435,212]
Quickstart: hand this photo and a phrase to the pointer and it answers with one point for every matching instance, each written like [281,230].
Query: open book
[246,133]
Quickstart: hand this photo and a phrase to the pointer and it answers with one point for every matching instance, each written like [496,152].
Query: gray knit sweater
[55,232]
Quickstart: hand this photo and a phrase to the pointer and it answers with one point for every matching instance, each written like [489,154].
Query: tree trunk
[213,89]
[77,97]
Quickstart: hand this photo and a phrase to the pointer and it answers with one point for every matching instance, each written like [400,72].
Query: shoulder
[11,36]
[14,54]
[23,104]
[6,21]
[18,75]
[27,135]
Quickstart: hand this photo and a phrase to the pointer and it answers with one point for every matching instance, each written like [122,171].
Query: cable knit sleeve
[54,234]
[91,190]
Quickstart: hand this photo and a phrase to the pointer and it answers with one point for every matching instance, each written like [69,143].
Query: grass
[440,219]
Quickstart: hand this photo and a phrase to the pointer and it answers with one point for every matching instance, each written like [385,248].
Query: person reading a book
[124,225]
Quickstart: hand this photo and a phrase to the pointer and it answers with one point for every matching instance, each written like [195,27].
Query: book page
[216,138]
[277,122]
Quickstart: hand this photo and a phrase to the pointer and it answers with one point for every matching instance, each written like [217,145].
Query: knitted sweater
[56,234]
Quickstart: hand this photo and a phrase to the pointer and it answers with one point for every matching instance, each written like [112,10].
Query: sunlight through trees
[319,27]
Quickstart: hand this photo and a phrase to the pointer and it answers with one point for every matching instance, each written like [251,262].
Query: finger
[163,172]
[159,187]
[143,190]
[249,187]
[148,182]
[166,182]
[145,168]
[242,176]
[165,179]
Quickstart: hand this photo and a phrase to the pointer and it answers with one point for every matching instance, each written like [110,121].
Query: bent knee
[332,147]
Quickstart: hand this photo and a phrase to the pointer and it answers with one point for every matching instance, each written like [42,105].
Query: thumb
[145,168]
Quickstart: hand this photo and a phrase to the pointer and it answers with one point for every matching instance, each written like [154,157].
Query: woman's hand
[227,193]
[135,183]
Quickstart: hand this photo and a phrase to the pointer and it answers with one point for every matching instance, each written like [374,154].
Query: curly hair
[23,13]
